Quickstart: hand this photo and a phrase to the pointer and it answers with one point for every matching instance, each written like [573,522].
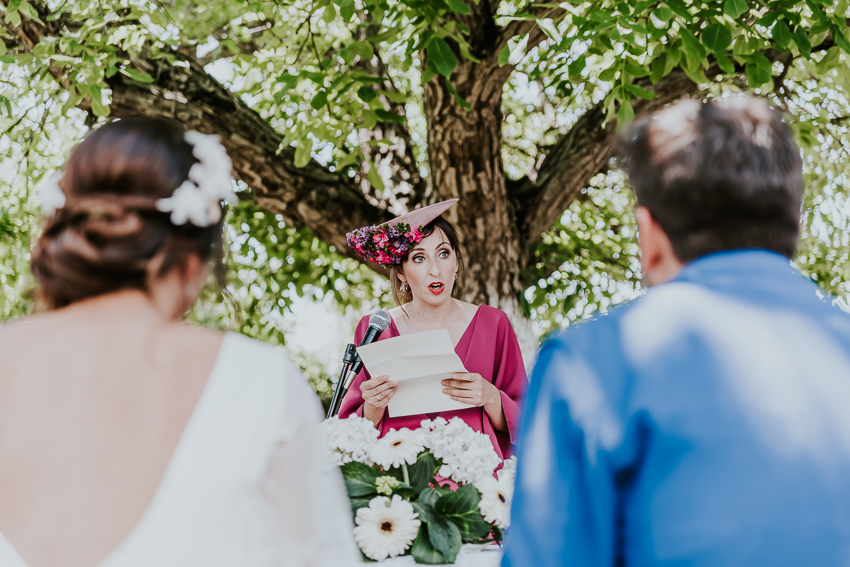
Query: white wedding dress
[248,484]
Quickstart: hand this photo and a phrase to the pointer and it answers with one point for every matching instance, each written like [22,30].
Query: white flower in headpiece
[198,199]
[50,194]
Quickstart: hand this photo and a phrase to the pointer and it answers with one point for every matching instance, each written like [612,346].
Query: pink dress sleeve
[352,403]
[510,378]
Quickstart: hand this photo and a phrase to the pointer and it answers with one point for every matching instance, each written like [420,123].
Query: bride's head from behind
[137,207]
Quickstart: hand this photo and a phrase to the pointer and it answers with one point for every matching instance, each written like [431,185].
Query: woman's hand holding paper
[471,388]
[377,393]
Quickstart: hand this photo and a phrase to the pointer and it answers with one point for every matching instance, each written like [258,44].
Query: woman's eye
[418,258]
[444,254]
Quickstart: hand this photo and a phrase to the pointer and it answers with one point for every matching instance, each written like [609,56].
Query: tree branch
[312,196]
[585,150]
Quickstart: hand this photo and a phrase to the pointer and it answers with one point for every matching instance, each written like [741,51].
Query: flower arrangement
[422,492]
[385,245]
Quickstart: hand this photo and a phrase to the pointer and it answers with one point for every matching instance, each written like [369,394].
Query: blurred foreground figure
[128,438]
[707,423]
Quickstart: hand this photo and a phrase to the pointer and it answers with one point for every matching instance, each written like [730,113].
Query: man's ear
[658,260]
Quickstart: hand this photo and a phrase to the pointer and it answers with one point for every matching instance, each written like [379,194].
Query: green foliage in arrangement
[310,69]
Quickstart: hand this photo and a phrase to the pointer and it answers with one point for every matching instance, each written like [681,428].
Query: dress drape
[488,347]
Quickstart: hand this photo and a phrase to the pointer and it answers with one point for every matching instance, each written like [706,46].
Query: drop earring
[405,289]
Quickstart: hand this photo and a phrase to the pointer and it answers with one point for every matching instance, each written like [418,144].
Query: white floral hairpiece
[197,200]
[50,194]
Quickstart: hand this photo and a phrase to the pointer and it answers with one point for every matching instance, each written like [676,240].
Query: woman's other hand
[471,388]
[377,393]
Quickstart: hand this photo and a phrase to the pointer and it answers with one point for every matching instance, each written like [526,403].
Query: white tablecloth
[489,557]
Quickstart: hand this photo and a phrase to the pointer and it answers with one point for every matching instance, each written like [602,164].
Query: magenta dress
[488,347]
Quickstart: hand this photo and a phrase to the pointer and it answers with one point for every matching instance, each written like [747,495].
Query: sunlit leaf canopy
[316,71]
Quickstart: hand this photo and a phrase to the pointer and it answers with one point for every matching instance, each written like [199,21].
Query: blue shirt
[705,424]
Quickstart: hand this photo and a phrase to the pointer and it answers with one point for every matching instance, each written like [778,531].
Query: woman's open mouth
[436,288]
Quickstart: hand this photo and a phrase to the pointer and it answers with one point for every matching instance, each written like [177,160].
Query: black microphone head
[380,320]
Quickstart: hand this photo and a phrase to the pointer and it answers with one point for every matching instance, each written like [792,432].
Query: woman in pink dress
[421,248]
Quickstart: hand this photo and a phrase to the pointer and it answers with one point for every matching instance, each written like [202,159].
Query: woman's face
[430,269]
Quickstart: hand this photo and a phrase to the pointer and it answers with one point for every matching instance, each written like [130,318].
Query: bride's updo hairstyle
[109,235]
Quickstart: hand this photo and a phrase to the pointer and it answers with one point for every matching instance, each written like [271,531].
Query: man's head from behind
[709,177]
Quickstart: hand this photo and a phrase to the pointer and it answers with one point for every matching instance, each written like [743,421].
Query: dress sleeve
[564,509]
[352,403]
[510,378]
[304,488]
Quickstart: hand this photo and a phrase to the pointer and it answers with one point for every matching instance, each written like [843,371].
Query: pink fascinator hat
[387,244]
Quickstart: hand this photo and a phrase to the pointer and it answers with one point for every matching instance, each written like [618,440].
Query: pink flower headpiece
[388,244]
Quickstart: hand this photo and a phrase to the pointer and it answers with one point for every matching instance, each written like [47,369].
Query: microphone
[379,321]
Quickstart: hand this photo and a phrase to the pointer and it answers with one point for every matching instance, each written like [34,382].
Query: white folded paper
[419,362]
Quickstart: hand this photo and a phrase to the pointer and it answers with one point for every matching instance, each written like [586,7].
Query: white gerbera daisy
[398,447]
[386,528]
[495,503]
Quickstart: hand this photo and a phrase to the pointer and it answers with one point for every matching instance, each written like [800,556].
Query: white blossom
[50,194]
[386,528]
[398,447]
[466,454]
[349,439]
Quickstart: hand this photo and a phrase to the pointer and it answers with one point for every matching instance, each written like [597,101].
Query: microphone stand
[347,360]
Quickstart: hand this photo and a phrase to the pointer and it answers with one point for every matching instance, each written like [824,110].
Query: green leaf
[504,56]
[444,535]
[320,100]
[802,41]
[576,67]
[458,98]
[735,7]
[663,13]
[691,45]
[422,550]
[359,478]
[673,58]
[97,107]
[441,54]
[717,38]
[422,472]
[657,68]
[840,39]
[641,92]
[625,114]
[367,94]
[781,35]
[428,497]
[758,69]
[636,70]
[378,185]
[725,63]
[458,7]
[357,503]
[347,11]
[137,76]
[329,14]
[461,507]
[829,61]
[364,49]
[386,115]
[7,58]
